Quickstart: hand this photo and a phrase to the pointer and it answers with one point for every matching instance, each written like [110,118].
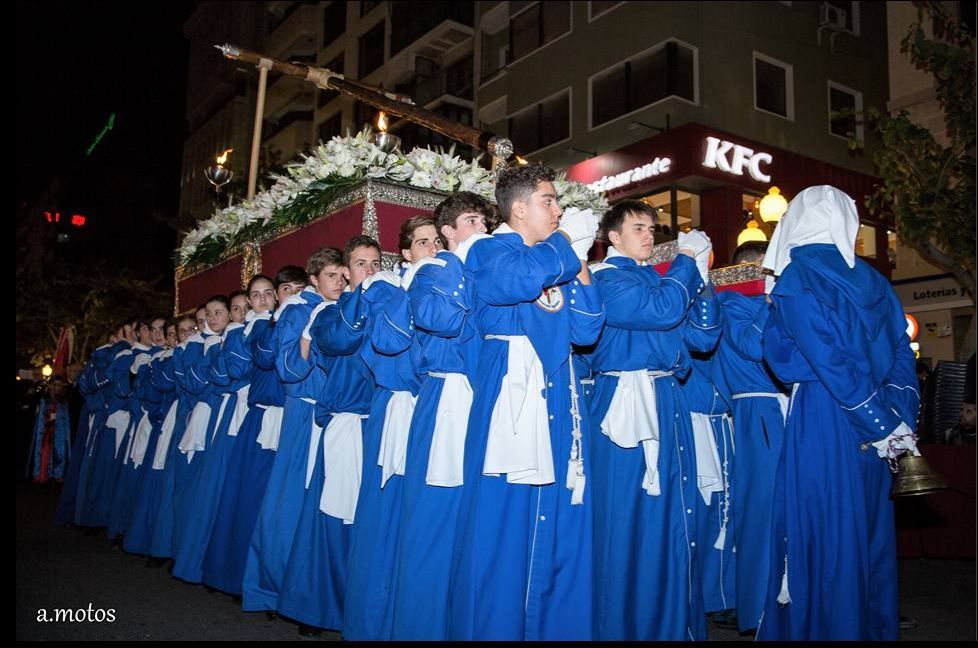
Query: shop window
[866,241]
[687,214]
[773,86]
[667,70]
[536,26]
[541,125]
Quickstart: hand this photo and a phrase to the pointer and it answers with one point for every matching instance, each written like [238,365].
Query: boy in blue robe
[838,333]
[646,577]
[522,565]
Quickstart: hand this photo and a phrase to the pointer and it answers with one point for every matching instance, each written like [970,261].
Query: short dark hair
[324,256]
[749,252]
[237,293]
[615,217]
[463,202]
[406,235]
[259,277]
[290,274]
[219,298]
[361,240]
[518,182]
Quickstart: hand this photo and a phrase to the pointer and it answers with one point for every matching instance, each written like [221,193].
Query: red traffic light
[78,220]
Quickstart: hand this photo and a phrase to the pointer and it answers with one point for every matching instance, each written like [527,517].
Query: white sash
[633,418]
[240,411]
[447,453]
[394,437]
[196,432]
[141,440]
[781,398]
[163,443]
[519,429]
[271,427]
[709,471]
[119,422]
[342,465]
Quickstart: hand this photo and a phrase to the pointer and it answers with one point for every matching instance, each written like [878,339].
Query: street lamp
[773,206]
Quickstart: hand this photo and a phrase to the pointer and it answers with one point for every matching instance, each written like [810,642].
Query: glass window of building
[372,50]
[687,214]
[536,26]
[773,86]
[866,241]
[844,103]
[367,5]
[666,70]
[331,127]
[334,21]
[495,48]
[542,124]
[325,96]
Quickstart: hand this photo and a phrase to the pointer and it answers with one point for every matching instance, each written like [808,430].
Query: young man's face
[171,336]
[330,282]
[286,290]
[261,296]
[239,308]
[185,328]
[364,261]
[967,415]
[157,331]
[636,238]
[217,315]
[424,244]
[539,216]
[466,225]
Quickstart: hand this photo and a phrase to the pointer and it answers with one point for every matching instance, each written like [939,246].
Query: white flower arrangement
[356,157]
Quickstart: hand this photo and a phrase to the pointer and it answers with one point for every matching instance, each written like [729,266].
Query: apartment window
[595,9]
[325,96]
[334,21]
[331,127]
[536,26]
[415,135]
[844,103]
[495,48]
[773,86]
[372,50]
[366,6]
[666,70]
[542,124]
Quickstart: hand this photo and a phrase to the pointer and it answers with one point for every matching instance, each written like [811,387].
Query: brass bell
[916,477]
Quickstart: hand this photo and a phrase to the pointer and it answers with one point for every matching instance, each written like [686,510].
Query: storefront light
[773,206]
[46,371]
[751,233]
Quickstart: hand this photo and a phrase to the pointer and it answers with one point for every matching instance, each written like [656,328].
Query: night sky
[76,63]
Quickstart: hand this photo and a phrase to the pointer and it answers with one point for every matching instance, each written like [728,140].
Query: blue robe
[440,300]
[146,506]
[646,575]
[271,542]
[227,375]
[52,465]
[96,387]
[522,560]
[707,393]
[389,351]
[248,467]
[759,425]
[838,333]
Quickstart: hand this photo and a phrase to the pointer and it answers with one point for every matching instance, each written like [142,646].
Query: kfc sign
[734,158]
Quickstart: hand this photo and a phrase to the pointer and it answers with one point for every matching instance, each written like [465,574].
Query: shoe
[271,615]
[308,632]
[726,619]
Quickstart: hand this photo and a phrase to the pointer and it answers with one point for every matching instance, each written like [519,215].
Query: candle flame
[522,160]
[382,121]
[223,157]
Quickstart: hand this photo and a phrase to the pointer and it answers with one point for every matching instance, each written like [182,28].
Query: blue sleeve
[163,376]
[217,363]
[236,355]
[195,369]
[507,276]
[390,323]
[631,304]
[263,343]
[339,329]
[289,363]
[120,376]
[743,326]
[587,313]
[839,363]
[704,322]
[439,299]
